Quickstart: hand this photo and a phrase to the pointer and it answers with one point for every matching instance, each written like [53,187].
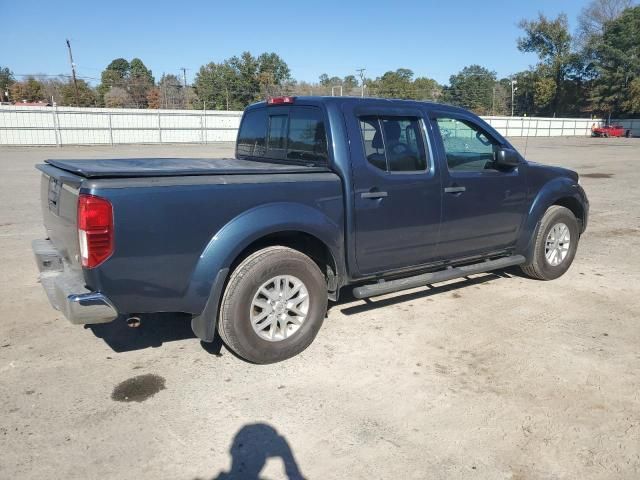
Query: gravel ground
[497,377]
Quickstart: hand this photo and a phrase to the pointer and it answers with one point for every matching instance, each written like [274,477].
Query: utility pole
[493,101]
[184,78]
[513,90]
[362,85]
[73,72]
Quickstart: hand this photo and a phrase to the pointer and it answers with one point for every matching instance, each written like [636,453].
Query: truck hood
[163,167]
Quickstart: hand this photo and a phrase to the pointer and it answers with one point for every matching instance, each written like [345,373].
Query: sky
[433,38]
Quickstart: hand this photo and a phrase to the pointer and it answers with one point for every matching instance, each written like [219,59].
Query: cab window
[394,144]
[295,133]
[467,147]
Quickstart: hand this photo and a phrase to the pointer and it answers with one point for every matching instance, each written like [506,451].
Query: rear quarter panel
[172,235]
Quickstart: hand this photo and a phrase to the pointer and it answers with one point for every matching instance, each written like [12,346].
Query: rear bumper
[66,289]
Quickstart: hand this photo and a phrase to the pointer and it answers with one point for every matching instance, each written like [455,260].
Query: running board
[450,273]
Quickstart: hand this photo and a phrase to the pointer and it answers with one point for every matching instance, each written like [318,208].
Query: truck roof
[318,100]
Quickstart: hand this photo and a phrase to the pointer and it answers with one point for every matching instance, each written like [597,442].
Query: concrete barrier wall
[22,125]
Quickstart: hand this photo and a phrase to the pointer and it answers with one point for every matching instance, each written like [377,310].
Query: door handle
[455,189]
[373,195]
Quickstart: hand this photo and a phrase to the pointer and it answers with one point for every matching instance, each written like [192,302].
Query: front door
[397,191]
[483,203]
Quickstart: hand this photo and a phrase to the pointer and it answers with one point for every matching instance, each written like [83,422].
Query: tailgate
[59,200]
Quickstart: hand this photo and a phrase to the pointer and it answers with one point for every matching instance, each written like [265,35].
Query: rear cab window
[293,134]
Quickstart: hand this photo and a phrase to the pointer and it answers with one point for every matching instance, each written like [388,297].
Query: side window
[394,144]
[467,146]
[252,134]
[307,136]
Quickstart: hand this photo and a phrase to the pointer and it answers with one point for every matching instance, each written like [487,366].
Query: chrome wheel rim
[279,308]
[556,247]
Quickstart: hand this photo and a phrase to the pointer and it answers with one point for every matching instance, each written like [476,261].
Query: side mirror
[507,157]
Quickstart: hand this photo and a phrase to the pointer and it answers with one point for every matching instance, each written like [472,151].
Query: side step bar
[450,273]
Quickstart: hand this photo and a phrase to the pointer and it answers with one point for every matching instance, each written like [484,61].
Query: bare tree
[118,97]
[593,18]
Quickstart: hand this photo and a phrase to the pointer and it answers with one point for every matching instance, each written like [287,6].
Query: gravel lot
[496,377]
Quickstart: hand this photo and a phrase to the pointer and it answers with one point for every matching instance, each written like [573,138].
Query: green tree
[86,94]
[238,81]
[398,84]
[551,41]
[425,88]
[139,81]
[29,90]
[115,75]
[217,86]
[6,80]
[618,63]
[349,83]
[275,66]
[171,92]
[324,79]
[632,101]
[472,88]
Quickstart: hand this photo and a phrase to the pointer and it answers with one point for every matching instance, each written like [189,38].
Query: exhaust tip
[133,322]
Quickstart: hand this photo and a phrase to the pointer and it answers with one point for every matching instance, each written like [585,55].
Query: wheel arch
[297,226]
[574,205]
[560,191]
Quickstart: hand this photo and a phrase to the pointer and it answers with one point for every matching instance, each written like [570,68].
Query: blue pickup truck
[323,194]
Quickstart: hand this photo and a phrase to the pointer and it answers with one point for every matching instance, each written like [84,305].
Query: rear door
[397,191]
[483,204]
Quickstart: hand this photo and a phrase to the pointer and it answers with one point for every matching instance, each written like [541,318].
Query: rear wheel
[555,245]
[273,306]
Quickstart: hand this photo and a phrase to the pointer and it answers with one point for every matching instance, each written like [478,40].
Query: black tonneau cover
[175,167]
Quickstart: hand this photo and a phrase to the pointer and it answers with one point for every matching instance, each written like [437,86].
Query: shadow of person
[252,446]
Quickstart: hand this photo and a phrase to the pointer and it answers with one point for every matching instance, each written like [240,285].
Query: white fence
[25,125]
[554,127]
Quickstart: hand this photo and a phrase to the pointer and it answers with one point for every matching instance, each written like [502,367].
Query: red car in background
[610,131]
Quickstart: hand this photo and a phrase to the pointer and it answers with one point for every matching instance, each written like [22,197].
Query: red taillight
[95,230]
[280,100]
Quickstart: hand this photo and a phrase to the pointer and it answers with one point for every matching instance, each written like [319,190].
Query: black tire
[539,267]
[234,324]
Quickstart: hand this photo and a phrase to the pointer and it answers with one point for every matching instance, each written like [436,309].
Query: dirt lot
[497,377]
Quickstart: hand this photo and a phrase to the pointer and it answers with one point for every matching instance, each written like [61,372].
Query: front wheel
[273,306]
[555,245]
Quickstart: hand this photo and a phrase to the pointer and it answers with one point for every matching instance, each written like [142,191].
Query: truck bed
[171,167]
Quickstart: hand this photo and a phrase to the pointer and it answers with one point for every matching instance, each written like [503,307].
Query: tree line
[593,70]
